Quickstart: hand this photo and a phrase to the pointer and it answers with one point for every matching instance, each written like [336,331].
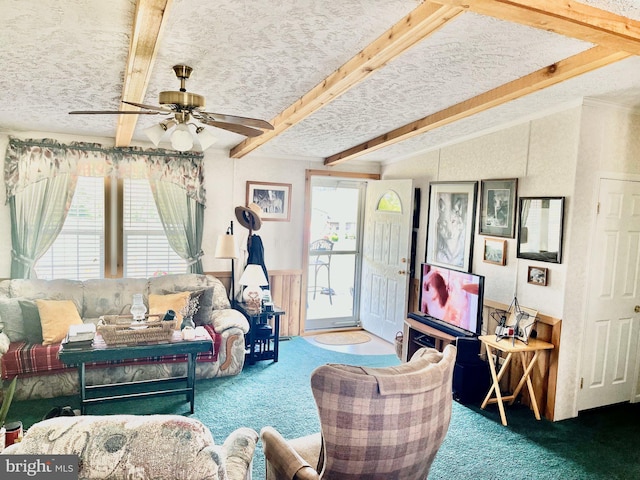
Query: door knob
[403,260]
[402,272]
[637,309]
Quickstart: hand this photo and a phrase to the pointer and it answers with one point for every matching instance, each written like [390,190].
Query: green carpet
[601,444]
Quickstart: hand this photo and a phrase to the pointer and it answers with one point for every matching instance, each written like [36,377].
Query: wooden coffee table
[101,352]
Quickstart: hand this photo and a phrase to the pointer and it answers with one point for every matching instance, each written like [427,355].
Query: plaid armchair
[376,423]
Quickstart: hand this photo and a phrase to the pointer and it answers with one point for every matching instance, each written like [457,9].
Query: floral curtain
[40,178]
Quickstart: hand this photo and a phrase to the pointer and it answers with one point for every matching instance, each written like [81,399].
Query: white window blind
[147,251]
[78,251]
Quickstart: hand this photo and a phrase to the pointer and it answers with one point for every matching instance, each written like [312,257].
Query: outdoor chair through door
[320,257]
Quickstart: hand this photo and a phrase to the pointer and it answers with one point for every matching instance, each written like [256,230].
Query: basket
[398,344]
[121,330]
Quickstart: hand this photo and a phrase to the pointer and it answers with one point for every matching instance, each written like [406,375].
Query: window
[79,251]
[147,252]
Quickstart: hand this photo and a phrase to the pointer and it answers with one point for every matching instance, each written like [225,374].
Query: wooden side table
[258,346]
[507,346]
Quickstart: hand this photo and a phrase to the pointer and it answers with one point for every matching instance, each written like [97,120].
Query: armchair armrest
[239,448]
[283,460]
[229,318]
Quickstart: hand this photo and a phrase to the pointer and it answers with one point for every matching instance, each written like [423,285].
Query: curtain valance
[31,160]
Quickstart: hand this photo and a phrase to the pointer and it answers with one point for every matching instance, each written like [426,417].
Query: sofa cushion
[31,321]
[27,359]
[11,318]
[111,296]
[56,316]
[191,282]
[159,304]
[59,289]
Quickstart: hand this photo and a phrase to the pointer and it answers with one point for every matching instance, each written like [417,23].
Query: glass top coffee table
[101,352]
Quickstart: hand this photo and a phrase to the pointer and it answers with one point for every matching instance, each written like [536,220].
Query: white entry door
[385,261]
[610,358]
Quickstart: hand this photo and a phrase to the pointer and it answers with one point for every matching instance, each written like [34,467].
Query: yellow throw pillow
[159,304]
[56,316]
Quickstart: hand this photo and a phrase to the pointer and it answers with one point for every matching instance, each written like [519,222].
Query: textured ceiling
[255,58]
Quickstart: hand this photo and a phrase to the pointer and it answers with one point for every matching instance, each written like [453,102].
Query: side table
[508,346]
[262,340]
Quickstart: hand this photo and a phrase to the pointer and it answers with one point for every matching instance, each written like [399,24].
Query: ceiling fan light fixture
[205,137]
[181,138]
[155,133]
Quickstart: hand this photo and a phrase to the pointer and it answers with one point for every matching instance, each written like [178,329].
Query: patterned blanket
[28,359]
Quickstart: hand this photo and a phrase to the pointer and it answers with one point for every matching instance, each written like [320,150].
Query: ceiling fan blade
[235,128]
[249,122]
[111,112]
[148,107]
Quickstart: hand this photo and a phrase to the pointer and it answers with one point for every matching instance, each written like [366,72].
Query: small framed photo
[495,251]
[538,276]
[498,207]
[273,198]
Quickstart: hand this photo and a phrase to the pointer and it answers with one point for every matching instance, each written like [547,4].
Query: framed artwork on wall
[451,224]
[495,251]
[540,229]
[498,205]
[537,275]
[273,198]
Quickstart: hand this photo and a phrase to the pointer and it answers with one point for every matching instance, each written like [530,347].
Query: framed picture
[537,276]
[498,207]
[495,251]
[451,224]
[273,198]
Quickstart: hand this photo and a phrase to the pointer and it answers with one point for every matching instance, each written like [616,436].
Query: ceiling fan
[182,106]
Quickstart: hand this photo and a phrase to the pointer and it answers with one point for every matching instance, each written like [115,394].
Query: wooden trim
[552,321]
[566,69]
[570,19]
[149,21]
[339,174]
[413,28]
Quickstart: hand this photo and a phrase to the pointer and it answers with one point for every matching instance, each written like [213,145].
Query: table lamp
[253,278]
[227,248]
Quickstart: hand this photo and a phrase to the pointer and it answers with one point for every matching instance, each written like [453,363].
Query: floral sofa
[42,375]
[158,447]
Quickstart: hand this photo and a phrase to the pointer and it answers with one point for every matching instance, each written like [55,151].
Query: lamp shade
[205,137]
[253,275]
[226,247]
[181,138]
[155,133]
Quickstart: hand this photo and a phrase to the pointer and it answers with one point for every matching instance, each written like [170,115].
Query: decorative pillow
[205,305]
[56,316]
[203,315]
[11,318]
[159,304]
[31,321]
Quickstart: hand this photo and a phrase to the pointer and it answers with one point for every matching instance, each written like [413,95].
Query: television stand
[418,335]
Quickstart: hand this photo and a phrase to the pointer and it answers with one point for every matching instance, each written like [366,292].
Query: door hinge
[581,382]
[598,209]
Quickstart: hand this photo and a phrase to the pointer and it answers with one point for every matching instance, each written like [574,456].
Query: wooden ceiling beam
[149,20]
[566,69]
[413,28]
[565,17]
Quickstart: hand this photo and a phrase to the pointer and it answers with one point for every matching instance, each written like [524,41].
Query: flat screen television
[451,300]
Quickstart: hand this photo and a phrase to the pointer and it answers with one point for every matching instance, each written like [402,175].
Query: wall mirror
[540,228]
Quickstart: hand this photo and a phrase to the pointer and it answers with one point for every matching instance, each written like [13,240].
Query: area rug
[342,338]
